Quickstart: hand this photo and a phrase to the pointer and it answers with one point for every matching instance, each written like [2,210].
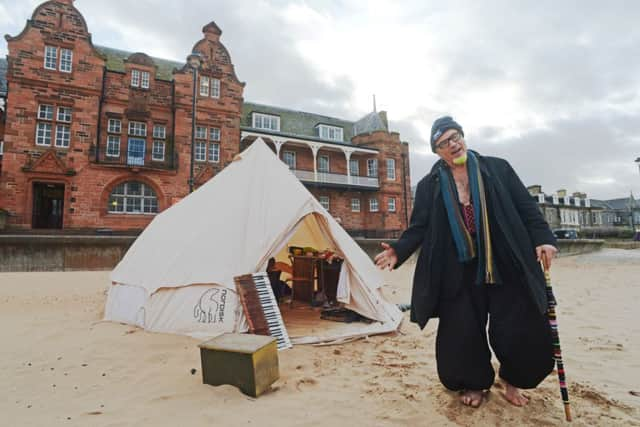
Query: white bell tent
[177,277]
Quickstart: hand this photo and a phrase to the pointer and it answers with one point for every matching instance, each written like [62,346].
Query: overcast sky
[551,86]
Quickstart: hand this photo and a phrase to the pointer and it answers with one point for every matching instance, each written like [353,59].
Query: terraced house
[99,138]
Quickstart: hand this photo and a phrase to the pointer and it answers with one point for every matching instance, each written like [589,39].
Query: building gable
[48,163]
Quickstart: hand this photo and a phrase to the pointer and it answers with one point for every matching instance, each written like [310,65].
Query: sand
[61,365]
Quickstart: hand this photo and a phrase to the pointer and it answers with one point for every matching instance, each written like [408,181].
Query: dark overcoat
[517,227]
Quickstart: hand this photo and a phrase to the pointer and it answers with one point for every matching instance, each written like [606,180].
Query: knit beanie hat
[442,125]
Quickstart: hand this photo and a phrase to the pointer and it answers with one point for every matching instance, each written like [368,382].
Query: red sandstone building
[97,138]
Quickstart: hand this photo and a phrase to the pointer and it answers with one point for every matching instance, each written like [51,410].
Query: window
[64,114]
[43,134]
[45,112]
[66,60]
[45,130]
[133,197]
[372,168]
[201,151]
[373,205]
[391,204]
[201,132]
[135,78]
[324,201]
[323,164]
[145,80]
[354,167]
[266,121]
[136,151]
[355,205]
[215,88]
[159,132]
[137,129]
[63,136]
[214,134]
[114,126]
[214,152]
[158,151]
[113,146]
[204,86]
[289,157]
[50,57]
[391,169]
[330,132]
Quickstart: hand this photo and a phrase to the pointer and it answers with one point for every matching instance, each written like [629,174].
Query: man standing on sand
[481,237]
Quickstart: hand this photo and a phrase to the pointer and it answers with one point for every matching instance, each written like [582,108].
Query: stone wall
[61,253]
[68,253]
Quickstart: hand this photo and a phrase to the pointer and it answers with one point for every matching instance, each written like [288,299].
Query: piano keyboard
[261,308]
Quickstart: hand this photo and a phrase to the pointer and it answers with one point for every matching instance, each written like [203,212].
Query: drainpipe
[100,102]
[193,129]
[173,124]
[404,190]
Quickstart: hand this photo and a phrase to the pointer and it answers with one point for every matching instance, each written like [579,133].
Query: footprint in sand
[305,381]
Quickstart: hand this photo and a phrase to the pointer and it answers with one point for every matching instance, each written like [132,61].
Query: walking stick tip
[567,412]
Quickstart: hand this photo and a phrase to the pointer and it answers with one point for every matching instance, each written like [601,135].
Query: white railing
[335,178]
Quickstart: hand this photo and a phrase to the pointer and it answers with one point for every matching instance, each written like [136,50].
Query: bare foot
[513,395]
[472,398]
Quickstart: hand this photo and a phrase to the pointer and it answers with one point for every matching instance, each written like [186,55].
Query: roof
[600,204]
[3,76]
[621,204]
[304,124]
[115,62]
[370,123]
[296,123]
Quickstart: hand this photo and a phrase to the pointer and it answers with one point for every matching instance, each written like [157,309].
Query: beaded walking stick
[557,353]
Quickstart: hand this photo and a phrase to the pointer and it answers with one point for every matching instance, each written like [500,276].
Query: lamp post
[632,202]
[194,60]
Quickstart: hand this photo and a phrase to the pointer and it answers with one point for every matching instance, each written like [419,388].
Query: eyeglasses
[446,142]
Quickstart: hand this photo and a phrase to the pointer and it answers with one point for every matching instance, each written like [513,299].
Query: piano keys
[261,308]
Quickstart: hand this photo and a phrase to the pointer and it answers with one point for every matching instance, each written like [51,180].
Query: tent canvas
[177,277]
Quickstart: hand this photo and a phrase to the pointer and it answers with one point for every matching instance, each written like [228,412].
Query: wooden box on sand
[249,362]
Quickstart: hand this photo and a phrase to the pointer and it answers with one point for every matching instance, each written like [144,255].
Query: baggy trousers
[519,334]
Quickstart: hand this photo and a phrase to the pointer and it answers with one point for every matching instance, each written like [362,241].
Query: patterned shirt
[467,215]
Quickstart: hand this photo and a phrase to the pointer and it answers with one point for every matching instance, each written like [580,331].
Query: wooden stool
[249,362]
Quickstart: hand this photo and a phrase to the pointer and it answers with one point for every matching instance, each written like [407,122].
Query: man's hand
[387,258]
[546,253]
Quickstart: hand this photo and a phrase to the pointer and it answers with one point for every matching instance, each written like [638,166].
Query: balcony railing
[133,159]
[337,179]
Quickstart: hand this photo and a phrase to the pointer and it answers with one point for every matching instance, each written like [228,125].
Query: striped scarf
[464,243]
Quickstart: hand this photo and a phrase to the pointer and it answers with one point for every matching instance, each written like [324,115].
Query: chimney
[534,189]
[383,117]
[562,193]
[211,32]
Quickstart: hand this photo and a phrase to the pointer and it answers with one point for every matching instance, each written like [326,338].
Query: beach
[60,364]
